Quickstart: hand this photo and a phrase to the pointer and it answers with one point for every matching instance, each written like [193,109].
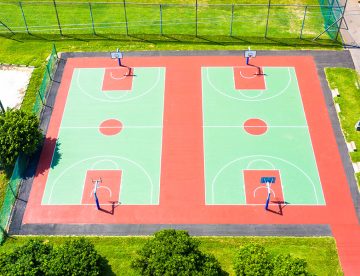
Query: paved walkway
[352,36]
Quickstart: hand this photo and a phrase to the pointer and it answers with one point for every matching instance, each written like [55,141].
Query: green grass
[347,81]
[109,18]
[4,179]
[320,253]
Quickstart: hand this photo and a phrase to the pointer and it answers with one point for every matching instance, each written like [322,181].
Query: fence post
[161,29]
[92,19]
[342,18]
[196,18]
[126,20]
[57,17]
[23,14]
[232,19]
[267,19]
[303,23]
[48,71]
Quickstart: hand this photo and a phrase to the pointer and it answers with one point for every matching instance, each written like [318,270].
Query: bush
[19,133]
[252,259]
[27,259]
[285,265]
[173,252]
[75,257]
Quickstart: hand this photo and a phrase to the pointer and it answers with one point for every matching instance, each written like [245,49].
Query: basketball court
[187,140]
[215,144]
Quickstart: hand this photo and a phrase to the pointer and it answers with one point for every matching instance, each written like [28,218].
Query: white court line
[103,187]
[115,78]
[244,77]
[248,167]
[263,187]
[119,99]
[242,126]
[92,127]
[249,100]
[262,156]
[311,142]
[97,157]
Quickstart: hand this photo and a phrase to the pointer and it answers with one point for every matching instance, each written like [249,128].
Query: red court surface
[108,188]
[256,193]
[249,77]
[182,199]
[117,79]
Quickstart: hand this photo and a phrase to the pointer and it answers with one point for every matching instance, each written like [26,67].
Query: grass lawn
[3,184]
[347,81]
[320,253]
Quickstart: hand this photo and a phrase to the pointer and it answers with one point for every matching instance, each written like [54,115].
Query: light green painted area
[229,149]
[136,150]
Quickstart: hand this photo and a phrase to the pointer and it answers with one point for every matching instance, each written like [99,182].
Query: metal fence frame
[335,8]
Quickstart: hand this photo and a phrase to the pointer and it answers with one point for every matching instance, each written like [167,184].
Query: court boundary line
[311,141]
[119,99]
[266,156]
[253,98]
[94,157]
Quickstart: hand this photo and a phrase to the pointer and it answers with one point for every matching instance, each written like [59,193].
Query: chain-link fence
[46,81]
[126,18]
[11,194]
[21,162]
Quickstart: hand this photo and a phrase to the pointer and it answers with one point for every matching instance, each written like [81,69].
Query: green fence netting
[332,13]
[46,81]
[11,194]
[21,162]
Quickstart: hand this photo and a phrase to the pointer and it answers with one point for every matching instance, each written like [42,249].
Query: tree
[285,265]
[75,257]
[19,133]
[27,259]
[173,252]
[252,259]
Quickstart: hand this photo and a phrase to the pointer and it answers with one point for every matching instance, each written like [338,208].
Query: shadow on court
[278,208]
[109,209]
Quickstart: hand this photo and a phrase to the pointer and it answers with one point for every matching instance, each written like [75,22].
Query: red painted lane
[348,243]
[182,173]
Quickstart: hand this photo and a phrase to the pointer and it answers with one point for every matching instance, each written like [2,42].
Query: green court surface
[82,147]
[230,150]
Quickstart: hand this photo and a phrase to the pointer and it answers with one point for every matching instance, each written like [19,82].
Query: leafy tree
[19,133]
[27,259]
[252,259]
[285,265]
[173,252]
[75,257]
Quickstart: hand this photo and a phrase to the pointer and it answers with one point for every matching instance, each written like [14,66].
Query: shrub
[173,252]
[75,257]
[252,259]
[27,259]
[285,265]
[19,133]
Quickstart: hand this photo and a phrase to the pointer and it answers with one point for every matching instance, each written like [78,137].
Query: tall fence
[20,166]
[332,12]
[46,81]
[126,18]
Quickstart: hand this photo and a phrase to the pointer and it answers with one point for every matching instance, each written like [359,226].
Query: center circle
[255,126]
[110,127]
